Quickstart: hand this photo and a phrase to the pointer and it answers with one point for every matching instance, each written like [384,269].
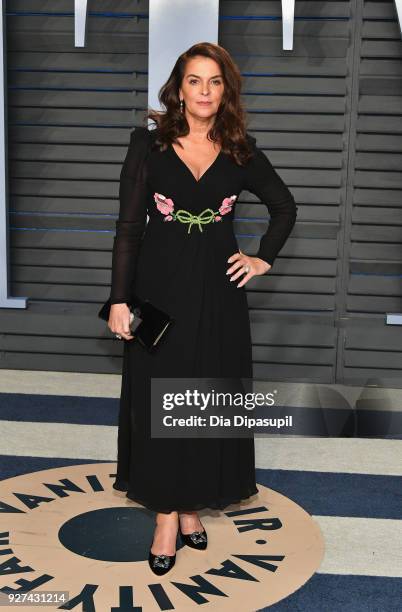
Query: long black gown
[184,273]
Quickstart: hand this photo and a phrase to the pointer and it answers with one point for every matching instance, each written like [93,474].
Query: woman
[199,156]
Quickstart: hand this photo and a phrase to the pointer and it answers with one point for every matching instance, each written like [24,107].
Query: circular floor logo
[67,530]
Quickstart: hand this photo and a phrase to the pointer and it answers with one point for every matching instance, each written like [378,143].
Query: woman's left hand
[255,266]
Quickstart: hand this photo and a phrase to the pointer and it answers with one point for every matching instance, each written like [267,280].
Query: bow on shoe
[198,536]
[196,539]
[161,561]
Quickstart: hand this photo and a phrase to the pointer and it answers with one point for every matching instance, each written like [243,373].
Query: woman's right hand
[119,320]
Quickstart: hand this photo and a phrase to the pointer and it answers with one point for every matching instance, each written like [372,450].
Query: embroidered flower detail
[166,207]
[227,204]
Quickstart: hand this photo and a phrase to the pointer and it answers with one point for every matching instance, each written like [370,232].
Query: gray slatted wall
[297,103]
[70,114]
[71,111]
[373,230]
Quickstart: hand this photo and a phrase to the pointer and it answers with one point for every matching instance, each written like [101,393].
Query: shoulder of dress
[141,139]
[140,132]
[144,134]
[251,139]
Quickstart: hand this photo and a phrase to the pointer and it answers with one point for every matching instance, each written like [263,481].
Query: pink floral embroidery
[166,207]
[227,204]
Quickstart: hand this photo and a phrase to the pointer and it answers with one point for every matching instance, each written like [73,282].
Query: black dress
[182,270]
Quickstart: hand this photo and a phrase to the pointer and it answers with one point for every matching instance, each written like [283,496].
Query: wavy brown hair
[229,128]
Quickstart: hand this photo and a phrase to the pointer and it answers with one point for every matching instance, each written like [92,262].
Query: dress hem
[194,508]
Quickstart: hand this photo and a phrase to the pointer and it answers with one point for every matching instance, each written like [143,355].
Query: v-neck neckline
[188,169]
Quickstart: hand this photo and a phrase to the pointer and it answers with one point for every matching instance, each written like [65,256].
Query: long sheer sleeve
[262,180]
[131,221]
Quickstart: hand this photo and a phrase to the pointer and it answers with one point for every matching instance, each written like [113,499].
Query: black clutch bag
[149,323]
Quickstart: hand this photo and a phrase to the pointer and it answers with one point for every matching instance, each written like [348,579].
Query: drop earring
[181,106]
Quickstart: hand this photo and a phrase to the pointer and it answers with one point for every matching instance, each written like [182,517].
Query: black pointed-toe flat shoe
[196,539]
[161,564]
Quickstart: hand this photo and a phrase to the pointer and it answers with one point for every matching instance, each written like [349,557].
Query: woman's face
[202,87]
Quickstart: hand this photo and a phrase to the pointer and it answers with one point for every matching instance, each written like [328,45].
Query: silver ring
[118,336]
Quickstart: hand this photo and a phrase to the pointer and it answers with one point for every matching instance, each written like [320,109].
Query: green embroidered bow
[166,205]
[184,216]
